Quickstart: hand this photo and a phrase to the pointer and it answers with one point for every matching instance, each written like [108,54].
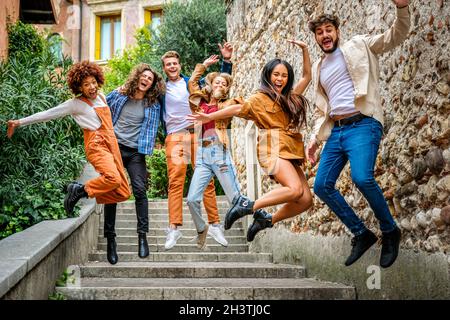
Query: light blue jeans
[211,160]
[358,143]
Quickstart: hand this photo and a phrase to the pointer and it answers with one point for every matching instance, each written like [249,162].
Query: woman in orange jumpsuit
[91,112]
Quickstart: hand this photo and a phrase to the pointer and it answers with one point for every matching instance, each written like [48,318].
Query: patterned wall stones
[413,165]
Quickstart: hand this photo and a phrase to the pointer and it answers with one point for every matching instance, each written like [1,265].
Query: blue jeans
[211,160]
[358,143]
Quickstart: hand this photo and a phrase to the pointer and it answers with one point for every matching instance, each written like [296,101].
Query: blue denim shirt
[149,129]
[225,67]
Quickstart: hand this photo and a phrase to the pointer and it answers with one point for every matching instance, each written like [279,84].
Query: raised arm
[193,84]
[303,83]
[225,113]
[396,34]
[66,108]
[226,51]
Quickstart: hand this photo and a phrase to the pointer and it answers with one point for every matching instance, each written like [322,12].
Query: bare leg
[294,192]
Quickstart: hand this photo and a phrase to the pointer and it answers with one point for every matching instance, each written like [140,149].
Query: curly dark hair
[81,70]
[157,89]
[293,105]
[321,20]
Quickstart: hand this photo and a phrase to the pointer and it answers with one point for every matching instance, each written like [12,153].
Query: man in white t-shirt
[181,146]
[349,117]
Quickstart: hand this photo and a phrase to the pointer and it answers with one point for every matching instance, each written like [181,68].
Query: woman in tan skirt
[278,111]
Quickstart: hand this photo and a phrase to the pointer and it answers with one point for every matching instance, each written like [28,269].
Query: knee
[140,194]
[297,193]
[320,188]
[192,199]
[113,179]
[308,200]
[363,181]
[176,184]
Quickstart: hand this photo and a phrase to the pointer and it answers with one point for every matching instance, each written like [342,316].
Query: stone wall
[414,159]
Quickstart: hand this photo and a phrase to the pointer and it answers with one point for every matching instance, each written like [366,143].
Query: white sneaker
[172,237]
[216,232]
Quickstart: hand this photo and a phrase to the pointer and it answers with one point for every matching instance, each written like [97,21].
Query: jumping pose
[213,157]
[350,118]
[278,111]
[91,112]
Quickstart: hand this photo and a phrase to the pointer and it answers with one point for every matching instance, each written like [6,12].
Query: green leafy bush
[158,181]
[40,159]
[24,40]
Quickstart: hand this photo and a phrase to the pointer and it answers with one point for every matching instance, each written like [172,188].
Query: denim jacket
[149,129]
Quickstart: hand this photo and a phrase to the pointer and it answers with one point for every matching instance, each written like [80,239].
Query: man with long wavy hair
[135,111]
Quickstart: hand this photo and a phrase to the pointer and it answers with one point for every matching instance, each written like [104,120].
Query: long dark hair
[293,105]
[157,89]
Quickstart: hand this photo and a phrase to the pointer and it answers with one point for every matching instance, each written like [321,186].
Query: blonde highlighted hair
[209,79]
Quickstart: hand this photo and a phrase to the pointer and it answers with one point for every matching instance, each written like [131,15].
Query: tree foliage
[193,29]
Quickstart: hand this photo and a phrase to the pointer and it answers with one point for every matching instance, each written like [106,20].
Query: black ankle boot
[143,245]
[111,252]
[389,249]
[361,244]
[262,220]
[241,206]
[75,191]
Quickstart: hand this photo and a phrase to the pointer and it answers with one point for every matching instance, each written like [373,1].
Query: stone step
[222,211]
[164,217]
[164,204]
[171,256]
[162,240]
[205,289]
[188,223]
[192,247]
[190,270]
[163,213]
[187,232]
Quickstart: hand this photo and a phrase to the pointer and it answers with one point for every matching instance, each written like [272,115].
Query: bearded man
[349,117]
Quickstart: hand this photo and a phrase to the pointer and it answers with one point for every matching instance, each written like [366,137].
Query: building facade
[90,29]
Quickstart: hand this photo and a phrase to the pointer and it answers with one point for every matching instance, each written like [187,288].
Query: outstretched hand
[12,125]
[211,60]
[226,50]
[199,116]
[299,43]
[401,3]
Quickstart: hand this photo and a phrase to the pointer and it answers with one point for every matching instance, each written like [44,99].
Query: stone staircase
[187,273]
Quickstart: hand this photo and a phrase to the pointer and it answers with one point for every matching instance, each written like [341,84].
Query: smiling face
[219,87]
[279,77]
[89,87]
[327,37]
[145,81]
[172,68]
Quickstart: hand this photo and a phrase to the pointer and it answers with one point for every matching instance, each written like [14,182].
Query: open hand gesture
[211,60]
[226,50]
[12,125]
[299,43]
[199,116]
